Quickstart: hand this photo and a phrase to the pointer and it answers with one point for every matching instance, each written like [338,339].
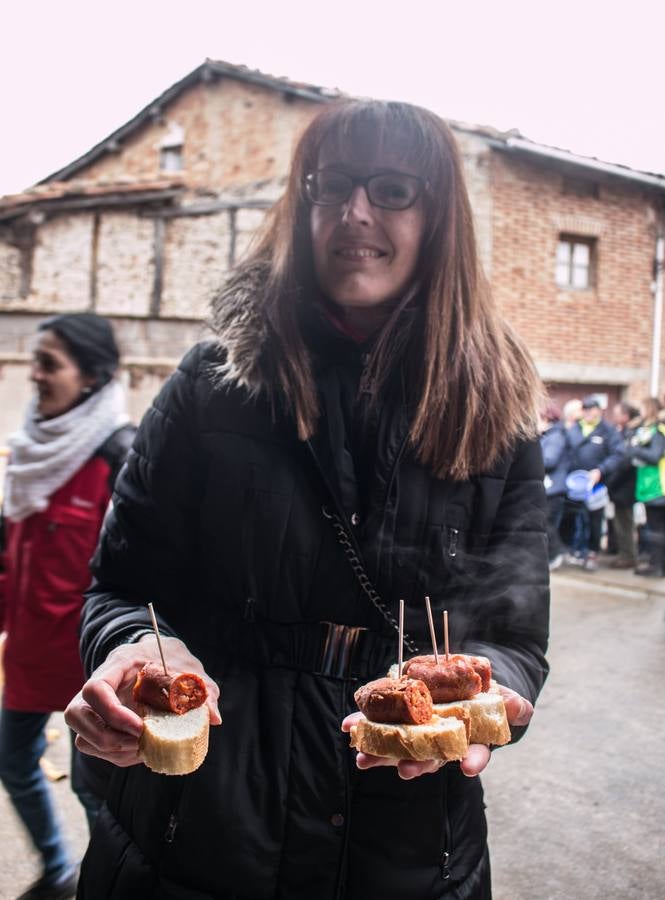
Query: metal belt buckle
[338,646]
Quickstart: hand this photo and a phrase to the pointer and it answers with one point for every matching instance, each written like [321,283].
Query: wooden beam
[114,200]
[24,240]
[158,279]
[94,254]
[205,209]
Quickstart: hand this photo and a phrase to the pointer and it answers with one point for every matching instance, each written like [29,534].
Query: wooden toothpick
[400,652]
[445,633]
[159,641]
[431,630]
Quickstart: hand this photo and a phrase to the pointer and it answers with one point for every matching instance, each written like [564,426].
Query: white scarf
[46,453]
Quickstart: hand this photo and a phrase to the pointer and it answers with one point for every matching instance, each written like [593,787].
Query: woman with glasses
[361,430]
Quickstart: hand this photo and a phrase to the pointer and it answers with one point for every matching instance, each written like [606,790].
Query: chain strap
[363,579]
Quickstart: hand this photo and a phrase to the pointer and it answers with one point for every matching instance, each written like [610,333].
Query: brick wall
[604,329]
[197,250]
[10,278]
[476,157]
[61,264]
[234,132]
[125,264]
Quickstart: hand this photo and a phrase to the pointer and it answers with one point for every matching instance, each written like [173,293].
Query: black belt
[321,648]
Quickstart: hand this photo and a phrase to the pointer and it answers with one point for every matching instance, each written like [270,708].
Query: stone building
[143,226]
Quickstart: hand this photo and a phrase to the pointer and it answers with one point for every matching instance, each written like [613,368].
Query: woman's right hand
[103,714]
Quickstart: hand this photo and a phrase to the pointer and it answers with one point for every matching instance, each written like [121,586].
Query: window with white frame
[575,262]
[170,147]
[170,159]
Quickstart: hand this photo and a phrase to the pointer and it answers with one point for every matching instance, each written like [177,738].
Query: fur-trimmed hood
[239,321]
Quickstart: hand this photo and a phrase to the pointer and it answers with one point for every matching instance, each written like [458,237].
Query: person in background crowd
[554,445]
[596,447]
[647,449]
[570,524]
[58,484]
[572,412]
[365,417]
[621,486]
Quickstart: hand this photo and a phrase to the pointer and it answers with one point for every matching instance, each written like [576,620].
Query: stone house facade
[147,223]
[588,325]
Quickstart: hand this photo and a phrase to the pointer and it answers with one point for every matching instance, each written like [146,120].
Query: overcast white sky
[586,75]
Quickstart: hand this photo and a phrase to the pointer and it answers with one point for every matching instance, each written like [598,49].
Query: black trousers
[655,536]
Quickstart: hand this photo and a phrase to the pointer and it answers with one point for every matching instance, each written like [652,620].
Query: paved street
[576,809]
[19,865]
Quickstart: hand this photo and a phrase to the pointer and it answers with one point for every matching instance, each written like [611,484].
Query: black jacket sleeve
[510,605]
[650,453]
[553,447]
[615,453]
[146,544]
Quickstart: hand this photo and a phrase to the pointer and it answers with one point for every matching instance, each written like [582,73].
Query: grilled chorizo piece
[173,693]
[389,700]
[483,667]
[452,679]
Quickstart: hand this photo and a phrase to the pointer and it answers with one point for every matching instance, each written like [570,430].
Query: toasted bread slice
[440,738]
[173,744]
[487,713]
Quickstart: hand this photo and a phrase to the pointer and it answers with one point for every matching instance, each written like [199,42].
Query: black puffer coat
[621,482]
[219,520]
[600,449]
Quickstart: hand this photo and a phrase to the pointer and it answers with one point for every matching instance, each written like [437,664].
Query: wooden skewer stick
[445,634]
[400,652]
[431,629]
[159,641]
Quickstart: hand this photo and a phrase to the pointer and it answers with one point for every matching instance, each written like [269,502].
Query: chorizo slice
[483,667]
[176,693]
[451,679]
[406,701]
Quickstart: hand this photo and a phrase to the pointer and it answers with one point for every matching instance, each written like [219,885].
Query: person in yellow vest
[621,485]
[596,447]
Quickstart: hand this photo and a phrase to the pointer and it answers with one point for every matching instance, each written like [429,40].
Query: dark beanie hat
[90,342]
[590,402]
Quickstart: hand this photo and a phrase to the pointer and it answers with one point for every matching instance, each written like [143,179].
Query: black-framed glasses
[387,190]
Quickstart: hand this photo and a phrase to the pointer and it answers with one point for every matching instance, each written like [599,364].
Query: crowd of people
[605,484]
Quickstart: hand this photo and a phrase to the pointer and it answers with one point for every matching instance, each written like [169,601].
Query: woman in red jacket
[62,465]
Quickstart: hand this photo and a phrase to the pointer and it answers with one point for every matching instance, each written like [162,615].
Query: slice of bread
[488,723]
[173,744]
[441,738]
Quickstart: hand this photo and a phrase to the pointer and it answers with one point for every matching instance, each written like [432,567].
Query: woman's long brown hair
[472,387]
[652,408]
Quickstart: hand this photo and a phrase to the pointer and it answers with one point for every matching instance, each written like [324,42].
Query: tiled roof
[208,71]
[80,193]
[509,141]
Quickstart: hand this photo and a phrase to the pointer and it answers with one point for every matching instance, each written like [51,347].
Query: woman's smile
[357,251]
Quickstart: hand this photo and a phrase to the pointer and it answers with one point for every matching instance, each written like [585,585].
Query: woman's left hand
[518,712]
